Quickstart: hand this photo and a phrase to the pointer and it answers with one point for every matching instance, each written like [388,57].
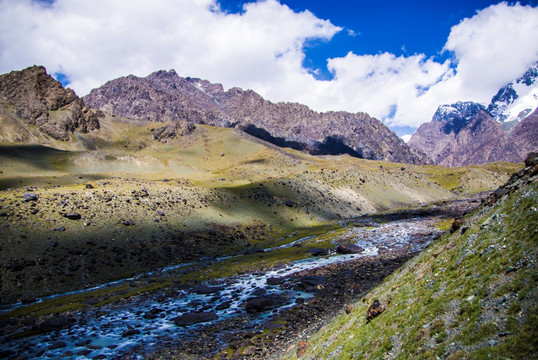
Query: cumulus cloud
[98,40]
[262,48]
[489,50]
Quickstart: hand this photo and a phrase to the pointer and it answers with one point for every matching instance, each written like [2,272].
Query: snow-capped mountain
[468,133]
[457,115]
[517,100]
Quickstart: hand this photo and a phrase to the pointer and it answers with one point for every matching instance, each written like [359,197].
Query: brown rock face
[165,96]
[480,140]
[40,100]
[525,134]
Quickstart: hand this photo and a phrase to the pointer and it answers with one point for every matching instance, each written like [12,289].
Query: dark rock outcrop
[40,100]
[164,96]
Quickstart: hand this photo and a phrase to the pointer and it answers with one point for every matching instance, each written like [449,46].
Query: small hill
[472,294]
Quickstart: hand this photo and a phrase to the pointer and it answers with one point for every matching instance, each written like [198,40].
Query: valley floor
[288,301]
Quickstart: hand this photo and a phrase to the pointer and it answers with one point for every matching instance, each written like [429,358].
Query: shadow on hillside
[35,155]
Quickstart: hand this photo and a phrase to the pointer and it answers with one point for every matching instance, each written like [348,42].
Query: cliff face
[165,96]
[37,99]
[525,134]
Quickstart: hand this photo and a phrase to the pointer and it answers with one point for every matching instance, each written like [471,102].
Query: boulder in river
[264,303]
[349,249]
[195,318]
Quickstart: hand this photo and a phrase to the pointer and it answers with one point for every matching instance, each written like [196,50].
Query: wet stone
[58,345]
[195,318]
[264,303]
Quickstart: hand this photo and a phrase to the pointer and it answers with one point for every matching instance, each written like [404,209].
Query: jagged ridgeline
[165,96]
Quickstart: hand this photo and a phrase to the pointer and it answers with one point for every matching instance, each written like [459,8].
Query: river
[142,324]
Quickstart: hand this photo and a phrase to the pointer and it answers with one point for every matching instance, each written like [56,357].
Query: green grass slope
[470,295]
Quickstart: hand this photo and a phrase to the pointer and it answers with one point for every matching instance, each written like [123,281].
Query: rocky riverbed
[251,315]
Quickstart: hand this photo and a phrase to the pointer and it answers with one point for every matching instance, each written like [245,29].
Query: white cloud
[262,48]
[96,41]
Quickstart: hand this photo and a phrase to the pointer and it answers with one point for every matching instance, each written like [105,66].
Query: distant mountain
[516,100]
[33,103]
[467,133]
[164,96]
[464,134]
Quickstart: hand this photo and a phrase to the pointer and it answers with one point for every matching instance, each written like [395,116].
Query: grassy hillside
[470,295]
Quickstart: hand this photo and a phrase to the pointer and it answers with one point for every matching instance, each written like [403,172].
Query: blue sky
[395,60]
[376,26]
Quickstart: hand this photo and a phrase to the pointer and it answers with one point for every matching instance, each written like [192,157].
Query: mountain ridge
[165,96]
[466,133]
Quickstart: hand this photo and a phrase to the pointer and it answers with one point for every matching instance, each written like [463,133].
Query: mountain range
[164,96]
[34,107]
[468,133]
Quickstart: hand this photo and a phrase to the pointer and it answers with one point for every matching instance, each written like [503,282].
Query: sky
[396,60]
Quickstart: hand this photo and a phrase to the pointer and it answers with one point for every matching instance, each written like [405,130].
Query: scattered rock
[16,266]
[319,252]
[274,281]
[456,224]
[204,289]
[73,216]
[302,346]
[374,310]
[130,332]
[314,280]
[54,324]
[30,197]
[128,223]
[89,186]
[58,345]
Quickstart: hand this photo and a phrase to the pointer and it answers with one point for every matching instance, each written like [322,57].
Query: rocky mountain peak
[517,100]
[40,100]
[457,115]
